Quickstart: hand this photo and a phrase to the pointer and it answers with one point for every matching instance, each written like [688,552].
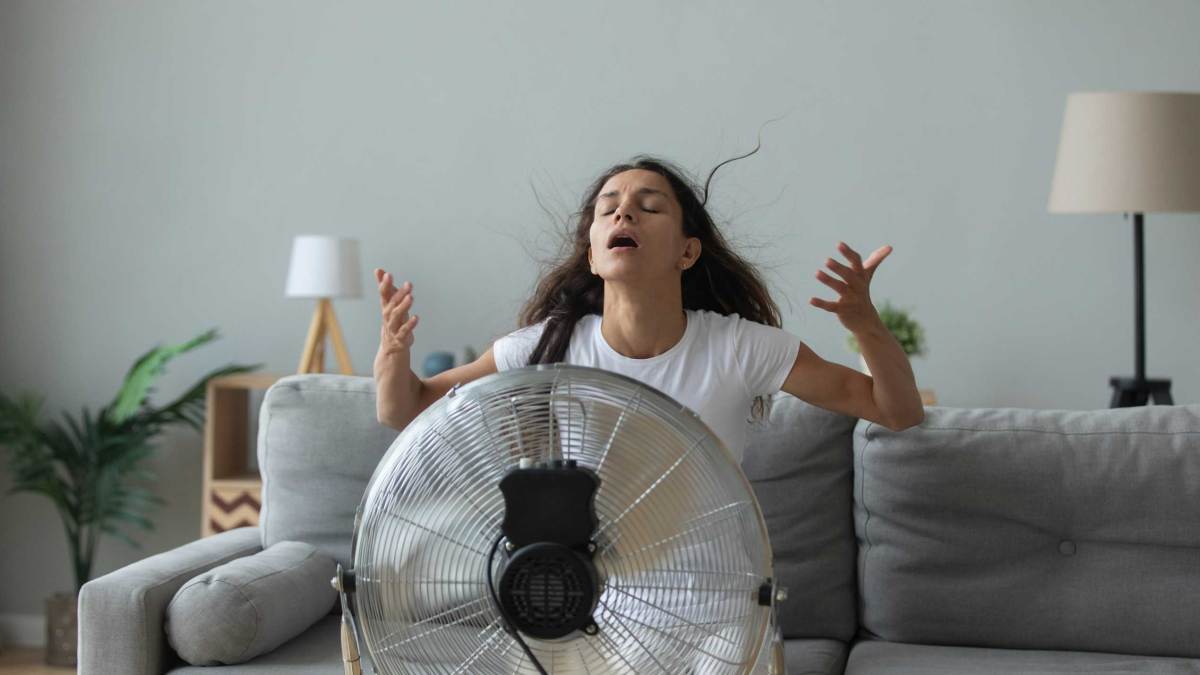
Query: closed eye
[644,209]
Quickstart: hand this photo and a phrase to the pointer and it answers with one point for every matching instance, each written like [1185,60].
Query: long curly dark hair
[720,281]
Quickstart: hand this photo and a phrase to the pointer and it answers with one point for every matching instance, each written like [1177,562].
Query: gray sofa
[982,541]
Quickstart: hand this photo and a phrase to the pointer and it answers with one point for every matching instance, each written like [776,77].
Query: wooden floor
[27,661]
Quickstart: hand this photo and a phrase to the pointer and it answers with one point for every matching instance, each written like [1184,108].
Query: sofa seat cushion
[814,657]
[318,652]
[894,658]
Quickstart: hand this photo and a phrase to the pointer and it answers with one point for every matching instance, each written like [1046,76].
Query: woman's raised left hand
[853,306]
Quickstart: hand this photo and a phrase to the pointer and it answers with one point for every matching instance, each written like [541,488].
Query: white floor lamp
[324,268]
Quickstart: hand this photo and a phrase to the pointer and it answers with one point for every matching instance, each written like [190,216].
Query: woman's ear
[691,253]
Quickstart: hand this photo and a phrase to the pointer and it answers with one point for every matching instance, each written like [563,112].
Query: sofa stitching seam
[867,520]
[257,616]
[264,473]
[1065,433]
[283,569]
[298,386]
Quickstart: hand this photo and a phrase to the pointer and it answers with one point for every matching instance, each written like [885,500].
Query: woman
[651,290]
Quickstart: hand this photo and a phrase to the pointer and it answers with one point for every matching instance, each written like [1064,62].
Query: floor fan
[559,519]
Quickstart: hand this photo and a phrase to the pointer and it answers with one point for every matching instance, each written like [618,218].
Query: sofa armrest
[121,613]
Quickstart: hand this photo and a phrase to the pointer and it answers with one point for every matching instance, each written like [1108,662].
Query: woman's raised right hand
[396,327]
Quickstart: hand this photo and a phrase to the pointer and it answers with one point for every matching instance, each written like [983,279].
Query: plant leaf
[189,407]
[138,382]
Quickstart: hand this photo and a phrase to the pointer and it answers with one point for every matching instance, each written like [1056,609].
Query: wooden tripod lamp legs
[324,323]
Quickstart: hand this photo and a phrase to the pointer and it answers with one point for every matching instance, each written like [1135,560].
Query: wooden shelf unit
[232,492]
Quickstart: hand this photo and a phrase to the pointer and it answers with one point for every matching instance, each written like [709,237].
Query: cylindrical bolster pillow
[251,605]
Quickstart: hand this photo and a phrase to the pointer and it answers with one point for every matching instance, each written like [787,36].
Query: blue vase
[437,362]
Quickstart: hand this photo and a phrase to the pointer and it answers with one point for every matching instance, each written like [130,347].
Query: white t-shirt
[716,369]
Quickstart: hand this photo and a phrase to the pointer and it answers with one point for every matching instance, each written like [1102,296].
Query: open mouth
[622,241]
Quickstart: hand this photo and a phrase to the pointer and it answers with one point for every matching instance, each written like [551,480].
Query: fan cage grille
[682,545]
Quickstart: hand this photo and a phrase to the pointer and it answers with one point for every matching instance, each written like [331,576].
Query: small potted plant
[91,467]
[902,326]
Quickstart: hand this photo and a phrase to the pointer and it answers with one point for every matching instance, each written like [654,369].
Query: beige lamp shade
[1128,152]
[324,267]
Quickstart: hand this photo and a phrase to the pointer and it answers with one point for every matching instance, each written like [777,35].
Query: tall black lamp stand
[1138,390]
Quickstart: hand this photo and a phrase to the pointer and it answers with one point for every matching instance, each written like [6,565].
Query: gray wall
[157,158]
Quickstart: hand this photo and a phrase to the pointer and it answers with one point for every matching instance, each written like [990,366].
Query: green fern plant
[91,466]
[902,326]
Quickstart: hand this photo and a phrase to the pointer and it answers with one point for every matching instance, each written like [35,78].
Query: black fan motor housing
[549,587]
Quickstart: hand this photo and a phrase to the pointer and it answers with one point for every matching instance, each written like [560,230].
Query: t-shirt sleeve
[513,350]
[765,355]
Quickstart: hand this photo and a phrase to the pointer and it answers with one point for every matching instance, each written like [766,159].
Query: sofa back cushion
[318,443]
[799,463]
[1033,529]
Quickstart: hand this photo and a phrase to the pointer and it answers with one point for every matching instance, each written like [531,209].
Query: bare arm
[893,386]
[835,387]
[397,411]
[400,395]
[889,396]
[396,385]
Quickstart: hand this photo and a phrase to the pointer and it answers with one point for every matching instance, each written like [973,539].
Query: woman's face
[637,229]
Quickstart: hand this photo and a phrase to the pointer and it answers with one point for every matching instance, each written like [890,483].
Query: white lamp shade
[1128,152]
[324,267]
